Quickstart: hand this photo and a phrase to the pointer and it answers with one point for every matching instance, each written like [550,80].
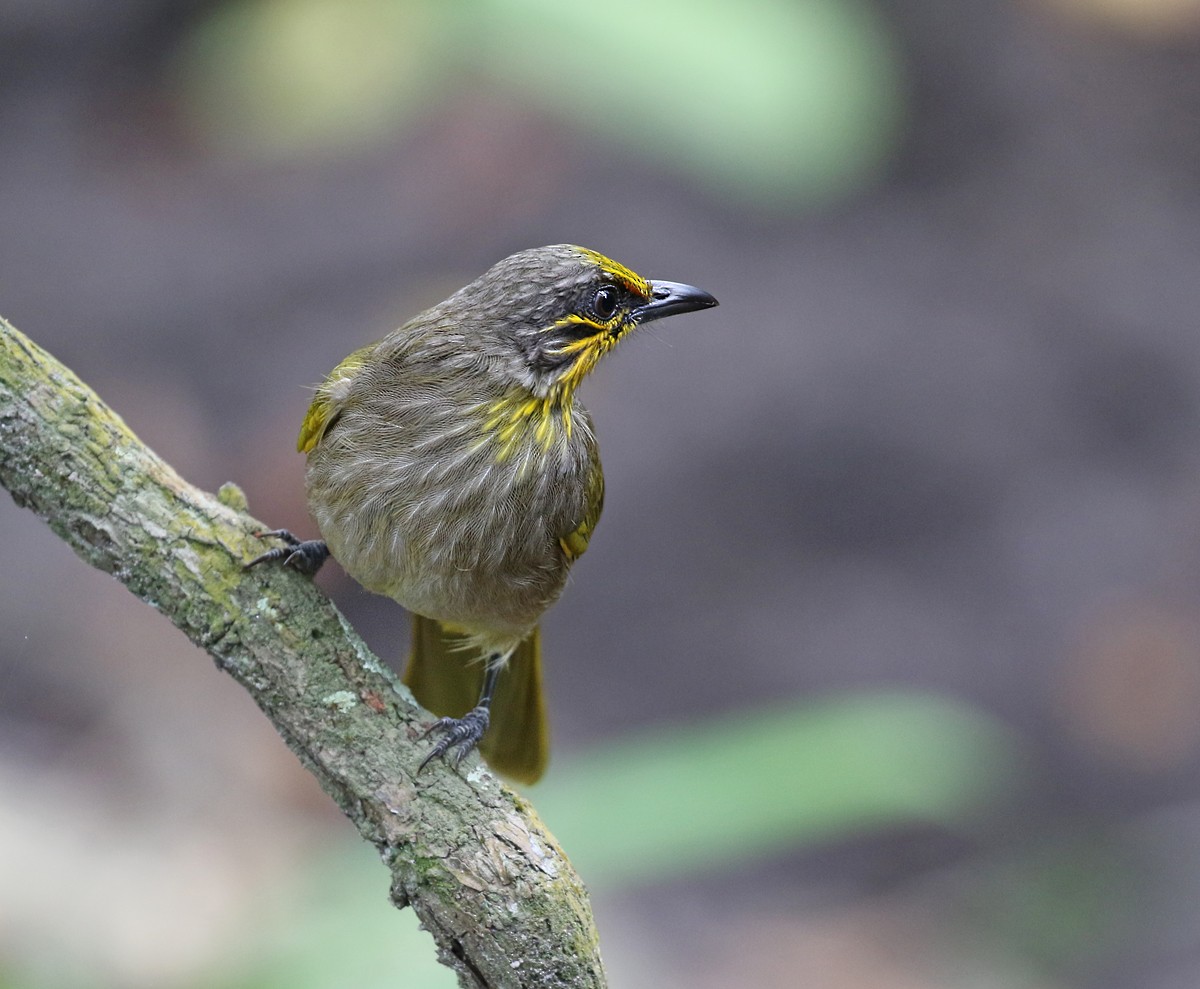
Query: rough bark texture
[485,876]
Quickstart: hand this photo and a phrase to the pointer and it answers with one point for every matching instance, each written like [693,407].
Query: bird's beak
[669,298]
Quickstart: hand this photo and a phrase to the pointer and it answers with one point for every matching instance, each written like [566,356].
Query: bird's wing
[575,543]
[329,400]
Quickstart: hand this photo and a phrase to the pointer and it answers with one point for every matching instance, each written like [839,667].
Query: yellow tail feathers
[448,679]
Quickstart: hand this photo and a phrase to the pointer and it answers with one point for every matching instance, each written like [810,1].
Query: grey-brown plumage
[427,483]
[452,468]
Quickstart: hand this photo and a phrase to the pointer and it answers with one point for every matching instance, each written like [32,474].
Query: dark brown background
[941,434]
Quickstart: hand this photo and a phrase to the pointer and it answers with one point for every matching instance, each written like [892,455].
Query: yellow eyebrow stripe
[630,279]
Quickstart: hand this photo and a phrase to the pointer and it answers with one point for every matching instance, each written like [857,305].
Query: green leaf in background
[770,103]
[1065,904]
[710,795]
[293,76]
[332,928]
[697,799]
[774,102]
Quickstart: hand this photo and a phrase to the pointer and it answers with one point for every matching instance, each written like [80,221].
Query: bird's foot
[305,556]
[459,735]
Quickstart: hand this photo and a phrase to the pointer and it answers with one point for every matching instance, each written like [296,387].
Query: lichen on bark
[486,877]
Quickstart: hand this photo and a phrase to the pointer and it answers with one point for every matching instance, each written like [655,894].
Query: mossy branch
[482,872]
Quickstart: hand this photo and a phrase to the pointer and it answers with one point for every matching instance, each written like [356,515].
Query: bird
[452,467]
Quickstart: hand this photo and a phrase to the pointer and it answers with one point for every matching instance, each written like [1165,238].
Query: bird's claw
[305,556]
[459,736]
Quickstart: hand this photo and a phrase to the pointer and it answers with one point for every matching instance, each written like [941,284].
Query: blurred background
[884,668]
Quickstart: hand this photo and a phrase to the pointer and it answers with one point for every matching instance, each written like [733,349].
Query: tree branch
[482,872]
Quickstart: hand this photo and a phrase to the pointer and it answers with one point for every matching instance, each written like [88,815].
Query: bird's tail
[447,679]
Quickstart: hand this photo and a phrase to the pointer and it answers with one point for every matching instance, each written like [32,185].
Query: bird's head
[546,316]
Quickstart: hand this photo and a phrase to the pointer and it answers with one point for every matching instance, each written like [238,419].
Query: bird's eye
[604,303]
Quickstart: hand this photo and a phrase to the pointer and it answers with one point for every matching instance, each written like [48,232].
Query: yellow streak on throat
[519,418]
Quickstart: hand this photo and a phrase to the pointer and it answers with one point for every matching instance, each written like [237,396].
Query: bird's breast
[456,509]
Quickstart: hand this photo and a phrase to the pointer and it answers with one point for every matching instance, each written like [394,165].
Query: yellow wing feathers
[329,400]
[575,543]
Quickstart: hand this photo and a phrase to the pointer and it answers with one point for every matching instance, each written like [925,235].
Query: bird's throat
[524,422]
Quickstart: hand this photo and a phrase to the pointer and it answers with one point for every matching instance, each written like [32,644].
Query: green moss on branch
[460,852]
